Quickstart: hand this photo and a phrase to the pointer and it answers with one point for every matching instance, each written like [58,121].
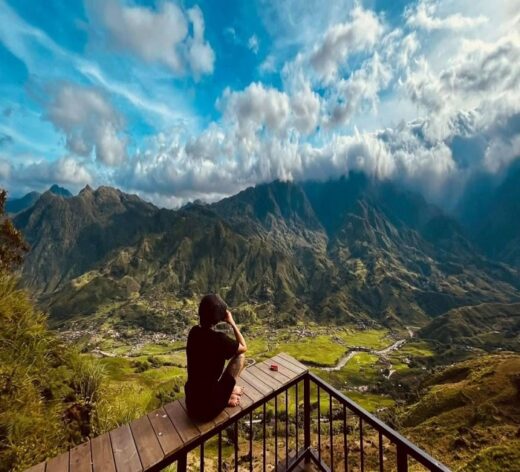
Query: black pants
[206,402]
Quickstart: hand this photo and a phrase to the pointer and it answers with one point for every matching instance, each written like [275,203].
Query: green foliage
[503,458]
[12,245]
[369,338]
[322,251]
[362,368]
[48,392]
[319,350]
[485,326]
[470,406]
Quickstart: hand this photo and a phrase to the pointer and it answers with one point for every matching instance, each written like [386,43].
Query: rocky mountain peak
[87,190]
[61,191]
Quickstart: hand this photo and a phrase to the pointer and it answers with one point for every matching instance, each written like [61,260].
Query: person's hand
[229,317]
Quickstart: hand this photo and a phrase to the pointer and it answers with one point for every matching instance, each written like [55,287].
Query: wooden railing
[280,422]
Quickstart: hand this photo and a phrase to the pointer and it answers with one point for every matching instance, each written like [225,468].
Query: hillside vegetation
[349,251]
[48,392]
[470,414]
[487,326]
[335,273]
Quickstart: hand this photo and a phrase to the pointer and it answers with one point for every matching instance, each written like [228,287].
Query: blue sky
[199,99]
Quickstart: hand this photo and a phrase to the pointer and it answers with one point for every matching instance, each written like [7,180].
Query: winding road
[342,362]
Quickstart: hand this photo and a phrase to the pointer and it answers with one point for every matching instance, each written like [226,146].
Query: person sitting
[210,387]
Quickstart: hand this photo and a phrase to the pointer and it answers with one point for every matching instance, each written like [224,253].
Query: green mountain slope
[68,236]
[488,326]
[344,250]
[470,414]
[491,213]
[499,234]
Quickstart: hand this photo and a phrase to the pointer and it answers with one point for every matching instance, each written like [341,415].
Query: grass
[320,350]
[152,349]
[258,348]
[399,366]
[125,402]
[371,401]
[155,377]
[501,458]
[451,401]
[362,366]
[117,368]
[133,393]
[362,369]
[417,349]
[369,338]
[130,394]
[471,408]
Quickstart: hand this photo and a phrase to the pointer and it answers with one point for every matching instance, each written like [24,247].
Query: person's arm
[242,346]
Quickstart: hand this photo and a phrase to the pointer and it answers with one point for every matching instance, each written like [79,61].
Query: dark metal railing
[405,451]
[355,440]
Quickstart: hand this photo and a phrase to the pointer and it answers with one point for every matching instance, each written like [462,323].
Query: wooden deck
[151,442]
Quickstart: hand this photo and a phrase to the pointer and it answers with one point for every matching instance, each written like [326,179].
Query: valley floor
[382,370]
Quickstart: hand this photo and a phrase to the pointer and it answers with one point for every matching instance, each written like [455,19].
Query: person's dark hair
[212,310]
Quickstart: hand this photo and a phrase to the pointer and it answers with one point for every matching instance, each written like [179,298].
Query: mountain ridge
[339,250]
[17,205]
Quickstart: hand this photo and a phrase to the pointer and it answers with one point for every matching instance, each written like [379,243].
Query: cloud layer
[157,36]
[429,100]
[91,125]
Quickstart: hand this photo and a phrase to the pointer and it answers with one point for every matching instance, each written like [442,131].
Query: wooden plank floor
[151,440]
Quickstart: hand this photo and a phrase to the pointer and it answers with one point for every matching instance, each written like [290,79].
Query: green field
[142,375]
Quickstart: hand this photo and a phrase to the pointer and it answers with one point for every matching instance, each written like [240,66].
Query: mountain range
[348,250]
[16,205]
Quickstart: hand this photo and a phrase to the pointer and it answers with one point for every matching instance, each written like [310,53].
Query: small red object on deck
[274,367]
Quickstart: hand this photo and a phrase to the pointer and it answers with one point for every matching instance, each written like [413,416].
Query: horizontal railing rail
[313,446]
[404,448]
[287,415]
[247,413]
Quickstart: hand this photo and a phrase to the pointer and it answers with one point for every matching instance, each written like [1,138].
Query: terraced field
[145,370]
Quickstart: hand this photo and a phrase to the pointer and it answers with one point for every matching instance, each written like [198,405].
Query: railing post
[307,417]
[181,463]
[402,459]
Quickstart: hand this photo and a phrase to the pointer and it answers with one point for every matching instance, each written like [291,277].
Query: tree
[12,245]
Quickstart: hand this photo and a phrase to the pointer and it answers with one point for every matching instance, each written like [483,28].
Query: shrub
[48,392]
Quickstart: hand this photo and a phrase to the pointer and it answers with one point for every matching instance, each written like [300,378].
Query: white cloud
[231,35]
[480,76]
[347,67]
[200,55]
[37,50]
[423,16]
[484,67]
[258,108]
[160,35]
[297,24]
[42,173]
[501,152]
[360,33]
[196,169]
[89,122]
[305,106]
[172,112]
[253,44]
[268,66]
[359,91]
[267,133]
